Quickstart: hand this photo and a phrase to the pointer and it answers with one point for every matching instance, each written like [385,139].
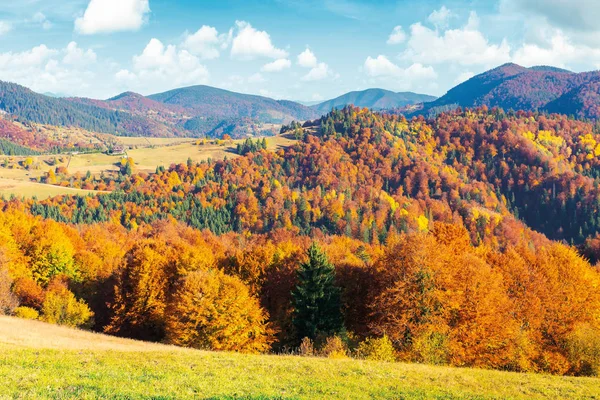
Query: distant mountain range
[375,99]
[207,111]
[511,86]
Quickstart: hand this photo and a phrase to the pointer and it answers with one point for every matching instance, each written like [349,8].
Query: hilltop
[376,99]
[512,86]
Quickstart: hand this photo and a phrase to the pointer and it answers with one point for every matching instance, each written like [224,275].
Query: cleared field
[42,361]
[21,188]
[164,152]
[143,141]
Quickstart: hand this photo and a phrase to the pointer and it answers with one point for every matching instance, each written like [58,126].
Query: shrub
[8,301]
[583,347]
[307,348]
[334,348]
[26,313]
[377,349]
[30,294]
[62,308]
[431,348]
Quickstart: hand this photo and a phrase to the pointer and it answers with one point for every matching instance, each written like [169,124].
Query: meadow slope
[43,361]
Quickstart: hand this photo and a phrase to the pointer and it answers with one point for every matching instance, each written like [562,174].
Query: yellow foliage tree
[215,311]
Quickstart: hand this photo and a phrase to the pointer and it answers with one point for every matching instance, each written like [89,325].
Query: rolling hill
[193,111]
[38,361]
[512,86]
[29,106]
[209,102]
[376,99]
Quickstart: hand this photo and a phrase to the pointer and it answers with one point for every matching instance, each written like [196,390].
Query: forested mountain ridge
[375,99]
[195,111]
[208,101]
[30,106]
[510,86]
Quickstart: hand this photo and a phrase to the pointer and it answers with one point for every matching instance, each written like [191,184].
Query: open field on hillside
[162,152]
[42,361]
[23,188]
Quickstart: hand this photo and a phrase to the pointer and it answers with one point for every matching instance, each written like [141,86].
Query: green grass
[175,374]
[40,361]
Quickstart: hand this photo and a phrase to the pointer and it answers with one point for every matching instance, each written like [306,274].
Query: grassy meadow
[39,361]
[148,153]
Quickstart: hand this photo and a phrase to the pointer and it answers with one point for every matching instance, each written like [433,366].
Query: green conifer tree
[316,299]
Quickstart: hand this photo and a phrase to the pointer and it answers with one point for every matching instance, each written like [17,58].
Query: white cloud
[250,43]
[463,77]
[440,17]
[40,19]
[161,67]
[307,59]
[77,56]
[205,43]
[49,70]
[466,46]
[256,78]
[5,27]
[105,16]
[277,65]
[320,72]
[576,15]
[383,67]
[561,52]
[397,36]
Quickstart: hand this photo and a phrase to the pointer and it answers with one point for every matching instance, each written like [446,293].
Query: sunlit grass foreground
[43,361]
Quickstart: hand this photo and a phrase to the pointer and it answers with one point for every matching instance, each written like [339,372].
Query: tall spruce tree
[316,299]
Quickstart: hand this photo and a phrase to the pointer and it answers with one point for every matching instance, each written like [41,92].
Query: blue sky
[293,49]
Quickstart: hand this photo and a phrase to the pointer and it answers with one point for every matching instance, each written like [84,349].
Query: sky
[299,50]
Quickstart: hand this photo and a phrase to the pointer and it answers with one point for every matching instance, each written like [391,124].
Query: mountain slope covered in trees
[511,86]
[375,99]
[427,239]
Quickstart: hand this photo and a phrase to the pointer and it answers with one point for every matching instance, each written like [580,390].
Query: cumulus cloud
[205,43]
[307,59]
[466,46]
[161,67]
[318,70]
[45,69]
[106,16]
[463,77]
[40,19]
[5,27]
[249,43]
[75,55]
[383,67]
[277,65]
[579,15]
[397,36]
[441,17]
[256,78]
[560,52]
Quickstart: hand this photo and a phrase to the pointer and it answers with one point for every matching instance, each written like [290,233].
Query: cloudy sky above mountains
[301,50]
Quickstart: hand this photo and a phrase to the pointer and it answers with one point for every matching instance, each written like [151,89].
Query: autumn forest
[468,239]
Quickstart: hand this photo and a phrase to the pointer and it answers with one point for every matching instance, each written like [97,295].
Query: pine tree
[316,299]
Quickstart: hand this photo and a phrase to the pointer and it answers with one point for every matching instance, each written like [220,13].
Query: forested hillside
[429,239]
[511,86]
[375,99]
[30,106]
